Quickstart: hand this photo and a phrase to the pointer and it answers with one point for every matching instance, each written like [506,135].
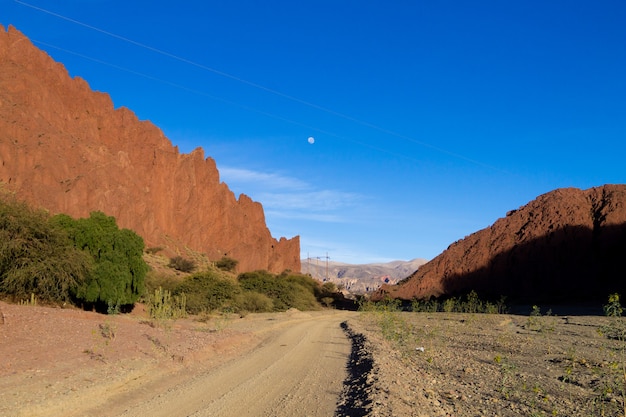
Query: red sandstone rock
[568,244]
[65,148]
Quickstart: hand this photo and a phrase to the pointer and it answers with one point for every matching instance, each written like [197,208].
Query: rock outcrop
[566,245]
[65,148]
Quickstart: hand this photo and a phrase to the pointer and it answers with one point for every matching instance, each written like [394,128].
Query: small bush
[329,288]
[472,303]
[449,305]
[304,281]
[534,319]
[616,329]
[208,291]
[328,294]
[254,302]
[614,307]
[425,306]
[163,306]
[227,264]
[181,264]
[286,291]
[154,280]
[327,301]
[297,296]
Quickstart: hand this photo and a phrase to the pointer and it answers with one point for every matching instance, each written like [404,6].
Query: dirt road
[74,363]
[67,362]
[298,369]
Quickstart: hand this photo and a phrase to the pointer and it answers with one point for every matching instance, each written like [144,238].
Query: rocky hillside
[567,245]
[65,148]
[360,278]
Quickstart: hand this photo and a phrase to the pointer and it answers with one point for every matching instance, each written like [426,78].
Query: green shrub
[328,294]
[254,302]
[286,291]
[304,281]
[329,288]
[181,264]
[450,305]
[163,306]
[472,303]
[385,305]
[37,258]
[296,296]
[260,281]
[614,307]
[491,308]
[424,306]
[616,329]
[117,278]
[327,301]
[208,291]
[154,280]
[227,264]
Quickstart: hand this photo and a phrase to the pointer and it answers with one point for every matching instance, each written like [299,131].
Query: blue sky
[431,119]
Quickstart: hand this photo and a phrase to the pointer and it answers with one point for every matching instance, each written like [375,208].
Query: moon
[311,140]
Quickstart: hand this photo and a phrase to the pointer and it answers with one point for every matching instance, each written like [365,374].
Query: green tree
[36,257]
[117,278]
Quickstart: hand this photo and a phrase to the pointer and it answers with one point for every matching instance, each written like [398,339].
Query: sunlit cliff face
[68,150]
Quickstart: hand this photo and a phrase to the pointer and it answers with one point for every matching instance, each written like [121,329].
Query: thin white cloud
[305,215]
[322,200]
[269,181]
[290,198]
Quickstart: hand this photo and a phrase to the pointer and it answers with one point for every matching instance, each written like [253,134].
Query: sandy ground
[68,362]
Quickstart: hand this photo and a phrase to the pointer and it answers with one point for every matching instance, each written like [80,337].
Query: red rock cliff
[565,245]
[65,148]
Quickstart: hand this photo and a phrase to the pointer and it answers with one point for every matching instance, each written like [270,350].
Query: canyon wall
[64,147]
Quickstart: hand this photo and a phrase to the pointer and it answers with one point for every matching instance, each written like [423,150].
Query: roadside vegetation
[92,263]
[59,260]
[116,279]
[219,291]
[37,258]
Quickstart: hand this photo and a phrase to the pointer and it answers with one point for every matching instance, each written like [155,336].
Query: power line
[263,88]
[223,100]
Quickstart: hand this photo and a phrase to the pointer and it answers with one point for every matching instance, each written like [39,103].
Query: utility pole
[327,258]
[317,264]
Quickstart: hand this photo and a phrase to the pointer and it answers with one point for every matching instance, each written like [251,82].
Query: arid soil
[464,365]
[68,362]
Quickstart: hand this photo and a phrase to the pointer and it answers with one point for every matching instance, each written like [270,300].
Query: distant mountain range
[363,278]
